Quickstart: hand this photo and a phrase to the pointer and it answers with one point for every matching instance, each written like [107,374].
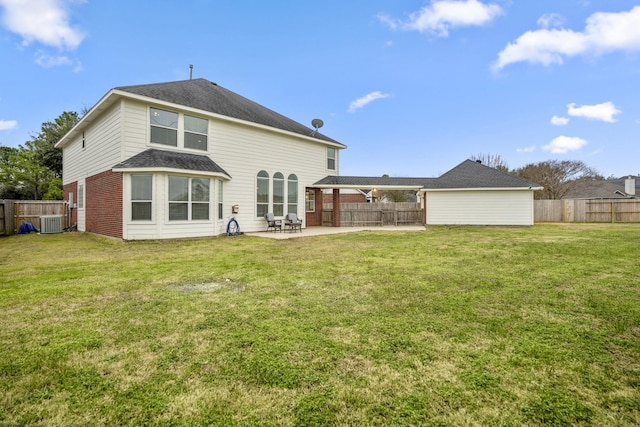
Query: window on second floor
[195,133]
[164,127]
[331,158]
[178,130]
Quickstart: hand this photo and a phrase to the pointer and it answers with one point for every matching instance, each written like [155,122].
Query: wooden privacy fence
[579,210]
[16,212]
[364,214]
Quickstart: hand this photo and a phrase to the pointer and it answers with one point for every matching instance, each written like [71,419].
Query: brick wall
[103,204]
[72,188]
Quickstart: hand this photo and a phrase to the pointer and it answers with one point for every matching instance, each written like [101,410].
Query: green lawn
[450,326]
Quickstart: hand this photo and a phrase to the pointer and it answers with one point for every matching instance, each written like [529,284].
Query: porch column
[335,217]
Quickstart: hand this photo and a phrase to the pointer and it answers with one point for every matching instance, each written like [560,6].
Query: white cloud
[559,121]
[550,20]
[564,144]
[8,124]
[604,32]
[48,61]
[605,111]
[529,149]
[43,21]
[367,99]
[440,16]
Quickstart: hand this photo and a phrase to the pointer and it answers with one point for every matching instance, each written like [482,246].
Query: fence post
[613,213]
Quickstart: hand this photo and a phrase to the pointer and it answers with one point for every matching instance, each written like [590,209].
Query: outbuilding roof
[468,174]
[161,159]
[211,97]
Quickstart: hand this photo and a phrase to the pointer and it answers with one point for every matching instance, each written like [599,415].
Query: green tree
[44,143]
[24,174]
[34,170]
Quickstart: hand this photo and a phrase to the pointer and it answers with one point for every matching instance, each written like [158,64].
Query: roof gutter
[427,190]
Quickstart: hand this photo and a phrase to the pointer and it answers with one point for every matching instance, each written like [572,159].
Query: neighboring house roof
[200,94]
[596,189]
[161,159]
[208,96]
[468,174]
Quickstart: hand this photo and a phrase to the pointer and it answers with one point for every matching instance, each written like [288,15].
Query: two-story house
[179,159]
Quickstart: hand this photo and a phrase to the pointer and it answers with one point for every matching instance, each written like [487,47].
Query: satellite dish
[317,123]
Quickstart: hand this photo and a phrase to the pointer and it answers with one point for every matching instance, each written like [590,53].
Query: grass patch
[450,326]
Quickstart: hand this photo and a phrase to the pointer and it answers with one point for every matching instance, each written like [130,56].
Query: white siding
[480,207]
[122,131]
[243,152]
[101,151]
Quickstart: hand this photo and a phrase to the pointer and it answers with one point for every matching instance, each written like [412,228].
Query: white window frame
[189,202]
[332,158]
[180,130]
[149,201]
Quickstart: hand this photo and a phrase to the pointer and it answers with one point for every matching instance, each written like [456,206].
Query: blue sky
[412,87]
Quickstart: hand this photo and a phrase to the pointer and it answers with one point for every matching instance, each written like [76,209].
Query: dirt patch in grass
[209,286]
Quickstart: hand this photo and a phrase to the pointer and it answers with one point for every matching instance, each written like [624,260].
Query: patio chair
[292,222]
[272,223]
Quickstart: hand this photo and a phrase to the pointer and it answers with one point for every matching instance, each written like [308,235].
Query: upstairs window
[195,133]
[278,194]
[331,158]
[164,127]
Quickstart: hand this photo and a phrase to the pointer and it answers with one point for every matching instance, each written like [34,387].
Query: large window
[331,158]
[164,127]
[310,200]
[195,133]
[188,198]
[262,194]
[141,197]
[292,194]
[278,194]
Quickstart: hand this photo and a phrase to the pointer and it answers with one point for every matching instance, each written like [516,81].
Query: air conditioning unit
[50,224]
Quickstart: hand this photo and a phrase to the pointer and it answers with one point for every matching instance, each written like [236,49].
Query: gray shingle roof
[207,96]
[471,174]
[370,182]
[153,158]
[468,174]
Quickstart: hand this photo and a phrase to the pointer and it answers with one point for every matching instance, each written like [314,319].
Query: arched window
[292,194]
[262,194]
[278,194]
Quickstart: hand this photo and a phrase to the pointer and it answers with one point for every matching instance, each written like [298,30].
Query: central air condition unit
[50,224]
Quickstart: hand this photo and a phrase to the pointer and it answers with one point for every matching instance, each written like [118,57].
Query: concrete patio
[321,231]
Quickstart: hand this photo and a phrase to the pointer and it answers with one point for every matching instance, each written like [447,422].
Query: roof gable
[207,96]
[471,174]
